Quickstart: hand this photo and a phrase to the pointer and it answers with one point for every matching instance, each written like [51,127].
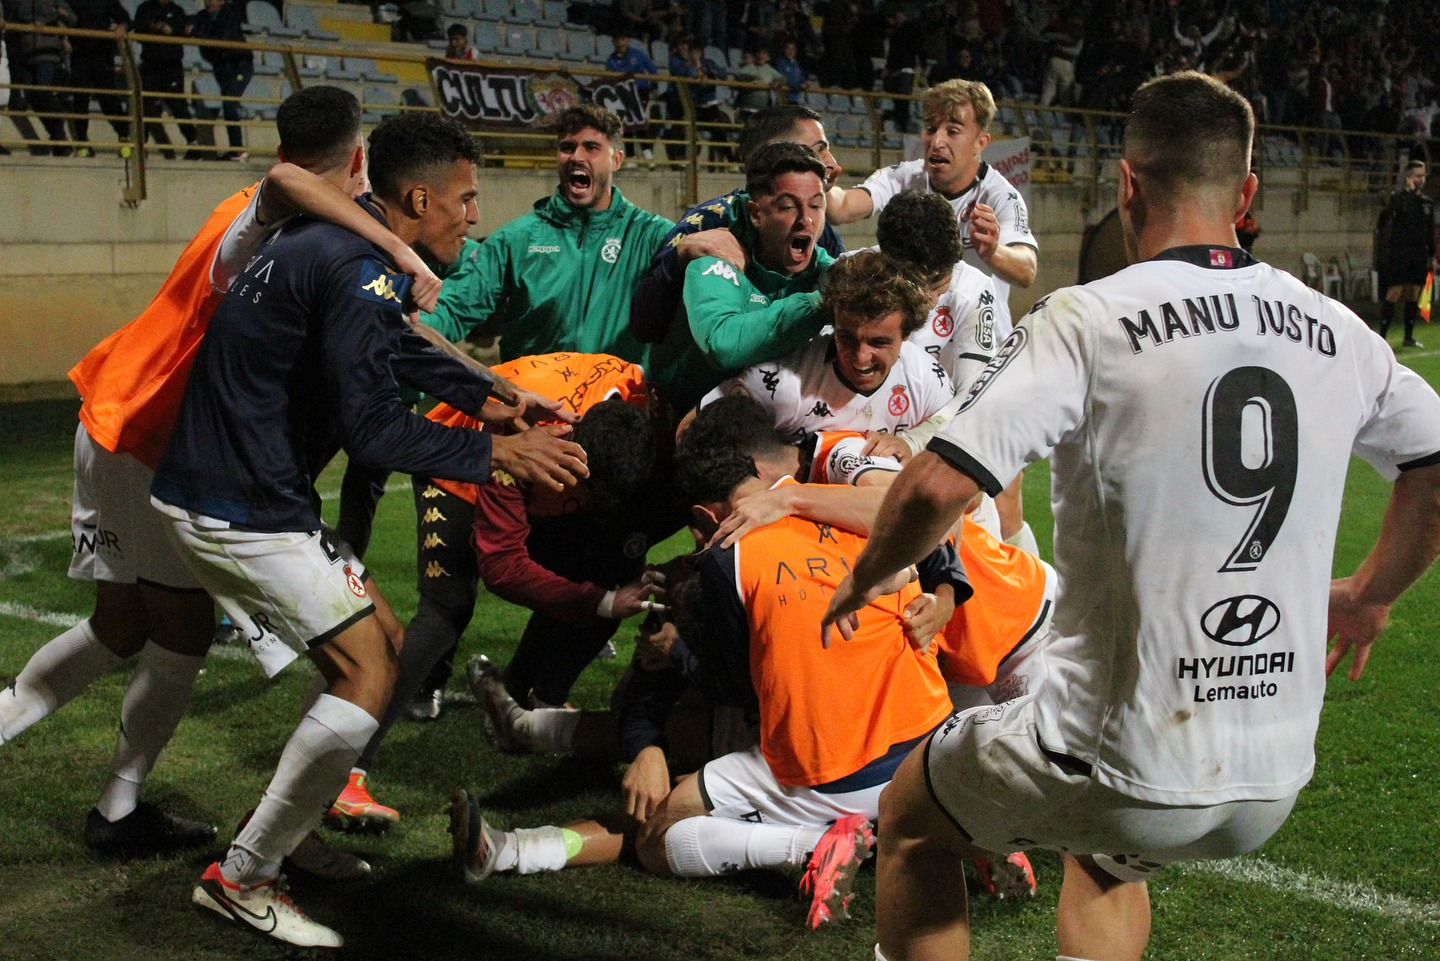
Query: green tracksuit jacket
[557,279]
[735,320]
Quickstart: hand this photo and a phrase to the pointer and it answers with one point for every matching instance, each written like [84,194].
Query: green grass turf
[1369,820]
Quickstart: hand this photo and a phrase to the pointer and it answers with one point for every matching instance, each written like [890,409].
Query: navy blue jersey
[300,360]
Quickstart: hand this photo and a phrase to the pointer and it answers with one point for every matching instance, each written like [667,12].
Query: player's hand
[632,598]
[425,291]
[751,512]
[539,456]
[1354,626]
[879,444]
[927,616]
[645,784]
[841,615]
[652,648]
[984,231]
[539,408]
[719,243]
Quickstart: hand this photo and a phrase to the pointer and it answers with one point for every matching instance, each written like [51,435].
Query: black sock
[1412,311]
[1387,314]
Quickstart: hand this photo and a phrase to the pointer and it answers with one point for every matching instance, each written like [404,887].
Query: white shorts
[115,533]
[741,787]
[987,771]
[288,592]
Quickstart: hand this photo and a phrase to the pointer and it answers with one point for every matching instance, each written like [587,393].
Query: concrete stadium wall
[76,263]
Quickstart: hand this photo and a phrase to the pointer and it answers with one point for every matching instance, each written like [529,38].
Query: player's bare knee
[650,846]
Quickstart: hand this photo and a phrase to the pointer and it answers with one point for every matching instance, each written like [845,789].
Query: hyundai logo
[1240,621]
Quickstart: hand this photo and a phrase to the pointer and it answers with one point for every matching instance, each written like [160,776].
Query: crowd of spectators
[1357,66]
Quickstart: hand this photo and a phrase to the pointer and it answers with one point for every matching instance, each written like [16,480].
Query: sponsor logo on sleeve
[985,329]
[382,285]
[1008,351]
[722,270]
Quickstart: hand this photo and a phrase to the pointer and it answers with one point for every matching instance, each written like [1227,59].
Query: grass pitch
[1351,876]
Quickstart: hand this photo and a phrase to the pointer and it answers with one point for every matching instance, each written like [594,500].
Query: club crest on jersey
[380,284]
[353,581]
[610,252]
[944,322]
[1221,258]
[899,401]
[1008,351]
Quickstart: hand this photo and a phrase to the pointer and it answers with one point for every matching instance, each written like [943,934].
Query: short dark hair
[619,449]
[318,126]
[457,30]
[572,120]
[872,284]
[1414,165]
[774,159]
[409,146]
[718,452]
[920,229]
[770,124]
[1188,130]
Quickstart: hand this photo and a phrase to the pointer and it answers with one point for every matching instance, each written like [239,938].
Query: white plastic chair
[1360,274]
[1333,279]
[1313,270]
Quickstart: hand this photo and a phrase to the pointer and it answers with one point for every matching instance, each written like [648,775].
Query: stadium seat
[369,70]
[302,18]
[1360,274]
[604,47]
[716,56]
[660,53]
[338,69]
[553,13]
[579,46]
[495,10]
[527,11]
[261,15]
[379,102]
[519,41]
[734,56]
[192,60]
[486,36]
[269,63]
[205,87]
[548,43]
[848,131]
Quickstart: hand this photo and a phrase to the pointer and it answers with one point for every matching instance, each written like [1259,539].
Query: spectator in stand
[789,67]
[708,23]
[630,58]
[162,74]
[907,41]
[687,60]
[755,68]
[837,67]
[458,45]
[92,67]
[221,20]
[36,58]
[757,24]
[637,19]
[1065,43]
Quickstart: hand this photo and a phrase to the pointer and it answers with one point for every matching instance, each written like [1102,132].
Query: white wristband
[606,607]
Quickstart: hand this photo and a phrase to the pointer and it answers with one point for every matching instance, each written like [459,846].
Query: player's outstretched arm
[1016,263]
[1408,544]
[847,206]
[839,505]
[925,500]
[289,190]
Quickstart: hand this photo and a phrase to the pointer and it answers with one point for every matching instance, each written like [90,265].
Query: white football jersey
[965,327]
[990,188]
[1200,411]
[804,394]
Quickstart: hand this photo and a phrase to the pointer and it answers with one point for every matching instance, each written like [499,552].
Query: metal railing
[1069,146]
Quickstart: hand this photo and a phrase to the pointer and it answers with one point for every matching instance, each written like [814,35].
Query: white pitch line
[48,536]
[23,612]
[1345,895]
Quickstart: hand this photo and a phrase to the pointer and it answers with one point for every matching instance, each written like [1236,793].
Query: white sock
[1024,539]
[313,769]
[702,847]
[878,955]
[55,674]
[548,730]
[158,696]
[536,850]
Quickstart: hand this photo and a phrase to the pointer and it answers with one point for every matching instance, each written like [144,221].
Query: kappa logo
[610,251]
[382,285]
[436,569]
[432,515]
[1241,620]
[899,401]
[722,270]
[1008,351]
[432,541]
[770,379]
[383,288]
[944,322]
[431,492]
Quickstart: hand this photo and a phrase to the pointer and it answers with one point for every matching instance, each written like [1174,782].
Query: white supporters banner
[1011,157]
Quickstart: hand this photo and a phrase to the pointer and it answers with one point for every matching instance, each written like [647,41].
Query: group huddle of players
[740,374]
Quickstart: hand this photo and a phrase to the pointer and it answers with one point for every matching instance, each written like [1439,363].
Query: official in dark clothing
[92,68]
[1405,250]
[221,20]
[162,72]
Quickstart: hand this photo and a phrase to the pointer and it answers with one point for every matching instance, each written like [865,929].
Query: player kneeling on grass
[574,557]
[805,795]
